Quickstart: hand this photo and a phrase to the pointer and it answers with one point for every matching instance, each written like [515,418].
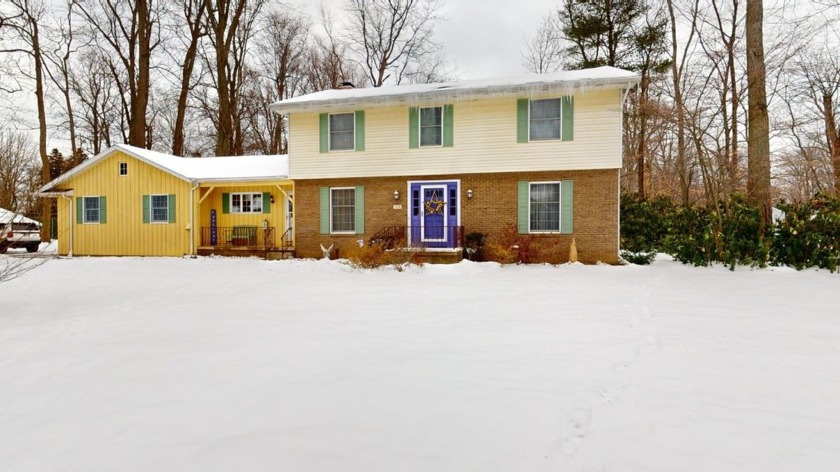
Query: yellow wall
[484,141]
[124,233]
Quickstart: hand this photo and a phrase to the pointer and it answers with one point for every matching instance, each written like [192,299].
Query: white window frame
[559,207]
[329,132]
[332,230]
[98,209]
[420,127]
[152,209]
[239,211]
[560,138]
[120,167]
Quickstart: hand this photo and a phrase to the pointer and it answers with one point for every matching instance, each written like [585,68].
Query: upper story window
[342,132]
[545,119]
[431,126]
[123,168]
[246,203]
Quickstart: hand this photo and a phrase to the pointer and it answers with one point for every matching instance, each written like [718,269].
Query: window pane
[545,129]
[430,116]
[343,209]
[430,136]
[545,207]
[341,132]
[256,202]
[541,109]
[236,203]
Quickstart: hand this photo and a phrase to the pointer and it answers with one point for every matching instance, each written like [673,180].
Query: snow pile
[240,364]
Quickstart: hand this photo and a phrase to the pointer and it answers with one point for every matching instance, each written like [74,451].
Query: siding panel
[485,141]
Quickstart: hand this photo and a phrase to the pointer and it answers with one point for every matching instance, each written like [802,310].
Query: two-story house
[435,161]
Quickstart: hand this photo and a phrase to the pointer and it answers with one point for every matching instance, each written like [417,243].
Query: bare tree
[758,137]
[327,63]
[393,39]
[97,113]
[189,27]
[18,159]
[231,25]
[59,70]
[543,53]
[24,17]
[127,34]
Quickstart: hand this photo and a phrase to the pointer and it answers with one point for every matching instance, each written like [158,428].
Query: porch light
[396,194]
[469,193]
[271,198]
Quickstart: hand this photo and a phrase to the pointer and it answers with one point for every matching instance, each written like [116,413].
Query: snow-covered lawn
[127,364]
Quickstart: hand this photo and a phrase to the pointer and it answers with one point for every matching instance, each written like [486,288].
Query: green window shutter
[146,210]
[325,210]
[413,127]
[171,201]
[522,120]
[103,211]
[79,210]
[448,123]
[522,207]
[324,120]
[360,130]
[225,203]
[266,202]
[568,118]
[567,195]
[360,210]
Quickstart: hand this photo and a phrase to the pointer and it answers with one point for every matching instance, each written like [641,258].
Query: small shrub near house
[373,256]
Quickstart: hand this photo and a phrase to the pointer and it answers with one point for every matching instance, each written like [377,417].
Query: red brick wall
[492,207]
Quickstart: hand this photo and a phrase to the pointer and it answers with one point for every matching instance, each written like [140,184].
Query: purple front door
[434,214]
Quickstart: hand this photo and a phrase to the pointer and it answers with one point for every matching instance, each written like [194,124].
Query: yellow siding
[484,141]
[124,233]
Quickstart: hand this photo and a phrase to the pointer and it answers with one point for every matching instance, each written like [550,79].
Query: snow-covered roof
[197,169]
[566,82]
[7,217]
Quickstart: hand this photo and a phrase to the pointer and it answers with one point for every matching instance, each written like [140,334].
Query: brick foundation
[493,206]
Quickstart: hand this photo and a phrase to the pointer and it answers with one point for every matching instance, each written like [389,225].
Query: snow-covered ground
[213,364]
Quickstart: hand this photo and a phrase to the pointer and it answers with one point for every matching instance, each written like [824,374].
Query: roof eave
[444,95]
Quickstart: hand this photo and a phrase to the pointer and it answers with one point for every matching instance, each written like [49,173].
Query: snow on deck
[241,364]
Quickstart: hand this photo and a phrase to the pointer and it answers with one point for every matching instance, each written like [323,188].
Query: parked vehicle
[17,235]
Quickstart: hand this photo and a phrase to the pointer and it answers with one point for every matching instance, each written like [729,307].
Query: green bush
[639,258]
[645,223]
[809,234]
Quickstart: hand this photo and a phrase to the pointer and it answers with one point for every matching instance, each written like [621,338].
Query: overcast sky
[481,38]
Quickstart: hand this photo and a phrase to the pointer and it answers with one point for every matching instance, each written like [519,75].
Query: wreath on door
[434,206]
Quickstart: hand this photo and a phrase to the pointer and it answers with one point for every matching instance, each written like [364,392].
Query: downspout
[192,219]
[70,206]
[624,94]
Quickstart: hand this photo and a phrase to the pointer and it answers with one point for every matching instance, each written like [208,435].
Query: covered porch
[246,219]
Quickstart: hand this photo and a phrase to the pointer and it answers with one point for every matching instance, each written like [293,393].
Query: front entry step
[450,256]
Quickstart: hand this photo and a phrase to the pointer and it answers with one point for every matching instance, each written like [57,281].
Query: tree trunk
[137,123]
[758,129]
[46,203]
